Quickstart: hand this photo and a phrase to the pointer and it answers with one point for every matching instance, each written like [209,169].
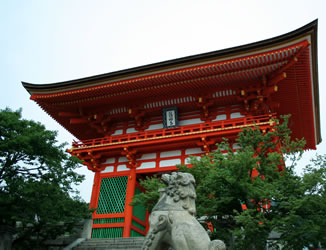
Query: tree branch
[27,170]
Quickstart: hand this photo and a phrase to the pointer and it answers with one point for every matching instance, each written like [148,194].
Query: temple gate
[145,120]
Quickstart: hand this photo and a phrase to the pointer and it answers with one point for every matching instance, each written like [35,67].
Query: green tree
[225,181]
[36,182]
[149,198]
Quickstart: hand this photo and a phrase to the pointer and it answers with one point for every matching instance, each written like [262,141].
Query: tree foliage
[36,182]
[277,201]
[149,198]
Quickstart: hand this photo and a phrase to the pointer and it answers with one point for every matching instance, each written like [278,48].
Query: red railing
[174,132]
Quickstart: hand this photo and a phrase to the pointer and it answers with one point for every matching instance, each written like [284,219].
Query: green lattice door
[111,200]
[140,213]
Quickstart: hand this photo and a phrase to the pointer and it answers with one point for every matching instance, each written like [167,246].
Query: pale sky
[46,41]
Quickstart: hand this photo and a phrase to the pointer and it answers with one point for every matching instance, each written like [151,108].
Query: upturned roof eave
[184,61]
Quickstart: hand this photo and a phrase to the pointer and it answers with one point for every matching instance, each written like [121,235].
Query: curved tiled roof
[293,54]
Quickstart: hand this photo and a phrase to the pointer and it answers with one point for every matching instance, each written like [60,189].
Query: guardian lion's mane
[180,192]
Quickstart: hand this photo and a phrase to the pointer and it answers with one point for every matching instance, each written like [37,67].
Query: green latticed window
[112,195]
[109,220]
[111,200]
[110,232]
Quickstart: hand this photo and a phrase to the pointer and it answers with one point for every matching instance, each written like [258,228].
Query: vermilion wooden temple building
[145,120]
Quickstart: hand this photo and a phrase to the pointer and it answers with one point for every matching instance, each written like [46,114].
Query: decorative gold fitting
[243,92]
[129,111]
[284,74]
[200,99]
[275,88]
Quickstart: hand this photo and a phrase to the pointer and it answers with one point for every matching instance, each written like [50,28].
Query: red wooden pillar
[128,209]
[95,191]
[147,221]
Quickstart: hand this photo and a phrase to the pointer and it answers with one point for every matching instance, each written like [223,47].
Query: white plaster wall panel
[187,160]
[170,153]
[146,165]
[169,163]
[122,168]
[109,160]
[117,132]
[131,130]
[108,170]
[220,118]
[148,156]
[190,151]
[190,121]
[123,159]
[155,126]
[236,115]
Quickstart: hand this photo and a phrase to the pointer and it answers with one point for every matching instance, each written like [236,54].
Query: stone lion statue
[172,222]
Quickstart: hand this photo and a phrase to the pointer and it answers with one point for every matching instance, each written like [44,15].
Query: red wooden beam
[106,225]
[138,221]
[78,121]
[68,114]
[138,230]
[108,216]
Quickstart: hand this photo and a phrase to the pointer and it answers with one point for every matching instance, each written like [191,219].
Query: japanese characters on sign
[170,117]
